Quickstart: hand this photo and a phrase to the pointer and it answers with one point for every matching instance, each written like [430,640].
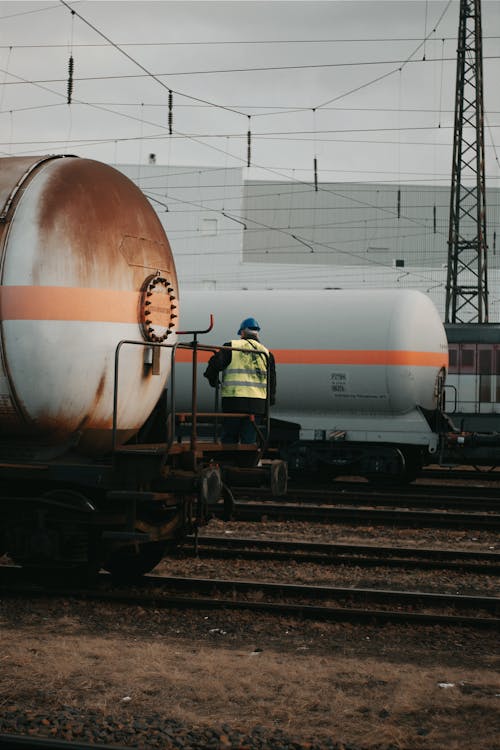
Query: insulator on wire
[434,219]
[170,111]
[249,147]
[315,174]
[70,78]
[399,204]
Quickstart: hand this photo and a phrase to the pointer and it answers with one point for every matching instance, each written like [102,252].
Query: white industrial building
[230,233]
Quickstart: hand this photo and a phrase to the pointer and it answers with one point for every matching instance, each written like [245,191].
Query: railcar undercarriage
[123,515]
[123,512]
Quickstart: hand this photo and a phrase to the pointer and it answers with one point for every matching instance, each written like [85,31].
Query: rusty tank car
[91,473]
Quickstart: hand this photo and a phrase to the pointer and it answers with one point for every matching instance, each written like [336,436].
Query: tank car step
[151,449]
[204,446]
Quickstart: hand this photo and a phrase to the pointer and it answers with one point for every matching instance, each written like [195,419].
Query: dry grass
[365,700]
[374,687]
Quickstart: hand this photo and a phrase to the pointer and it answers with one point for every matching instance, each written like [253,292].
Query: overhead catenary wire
[29,12]
[289,109]
[142,67]
[206,136]
[192,138]
[219,136]
[391,72]
[180,135]
[106,38]
[157,76]
[64,3]
[236,42]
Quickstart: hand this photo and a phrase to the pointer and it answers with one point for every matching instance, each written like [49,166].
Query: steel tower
[467,278]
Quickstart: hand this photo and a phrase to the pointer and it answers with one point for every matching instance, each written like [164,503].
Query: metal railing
[170,403]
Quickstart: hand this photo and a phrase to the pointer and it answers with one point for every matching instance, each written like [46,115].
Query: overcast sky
[366,87]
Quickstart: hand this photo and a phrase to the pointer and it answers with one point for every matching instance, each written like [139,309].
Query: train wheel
[133,561]
[398,468]
[279,478]
[412,465]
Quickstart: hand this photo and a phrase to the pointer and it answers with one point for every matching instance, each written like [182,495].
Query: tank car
[360,374]
[89,307]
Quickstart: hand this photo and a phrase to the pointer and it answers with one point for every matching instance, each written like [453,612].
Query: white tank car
[361,363]
[85,263]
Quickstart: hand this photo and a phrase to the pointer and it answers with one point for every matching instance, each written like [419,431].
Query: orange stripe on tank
[361,357]
[343,357]
[68,303]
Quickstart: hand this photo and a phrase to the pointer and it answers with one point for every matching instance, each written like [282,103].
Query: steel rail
[416,496]
[157,592]
[316,591]
[256,511]
[315,612]
[29,742]
[353,554]
[472,473]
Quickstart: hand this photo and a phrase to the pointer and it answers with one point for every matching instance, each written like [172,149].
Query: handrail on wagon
[155,344]
[144,345]
[170,414]
[194,377]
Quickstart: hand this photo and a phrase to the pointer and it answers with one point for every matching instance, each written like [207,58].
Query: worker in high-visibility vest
[244,381]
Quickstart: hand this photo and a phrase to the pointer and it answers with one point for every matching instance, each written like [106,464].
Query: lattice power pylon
[467,279]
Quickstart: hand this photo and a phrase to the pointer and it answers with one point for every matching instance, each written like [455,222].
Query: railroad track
[471,473]
[362,555]
[470,497]
[352,514]
[285,599]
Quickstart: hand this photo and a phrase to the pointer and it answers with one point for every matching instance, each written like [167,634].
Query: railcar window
[467,358]
[485,356]
[485,380]
[453,359]
[497,373]
[497,361]
[485,389]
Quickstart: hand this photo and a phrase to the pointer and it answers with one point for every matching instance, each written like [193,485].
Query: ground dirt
[255,681]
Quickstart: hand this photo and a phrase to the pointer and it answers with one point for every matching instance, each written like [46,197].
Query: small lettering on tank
[338,382]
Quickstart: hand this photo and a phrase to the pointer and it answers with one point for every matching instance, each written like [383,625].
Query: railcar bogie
[378,463]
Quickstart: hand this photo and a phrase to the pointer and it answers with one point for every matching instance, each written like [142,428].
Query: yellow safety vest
[246,375]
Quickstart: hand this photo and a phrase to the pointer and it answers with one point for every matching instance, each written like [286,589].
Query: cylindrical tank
[338,352]
[85,263]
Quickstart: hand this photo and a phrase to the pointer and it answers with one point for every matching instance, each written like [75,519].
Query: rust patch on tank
[89,420]
[100,388]
[85,212]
